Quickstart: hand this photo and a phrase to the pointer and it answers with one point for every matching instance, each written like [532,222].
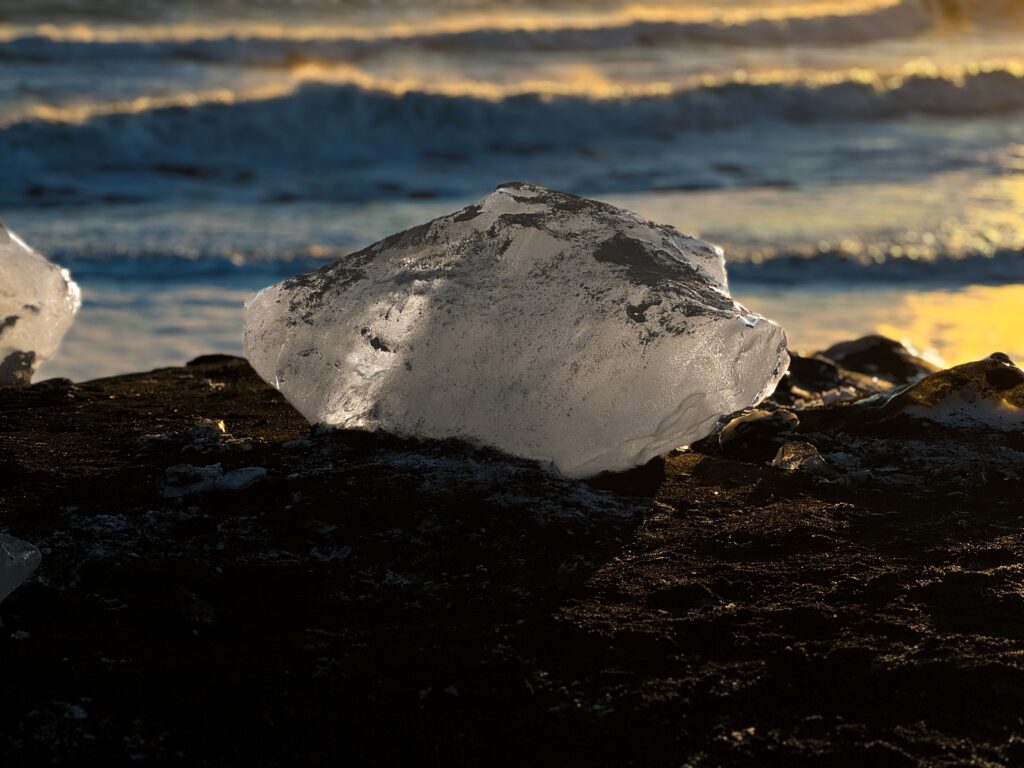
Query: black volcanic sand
[373,601]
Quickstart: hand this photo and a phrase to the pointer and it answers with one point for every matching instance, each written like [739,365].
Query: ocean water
[860,161]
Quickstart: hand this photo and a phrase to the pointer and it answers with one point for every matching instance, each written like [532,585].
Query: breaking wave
[353,128]
[831,25]
[1002,267]
[1005,266]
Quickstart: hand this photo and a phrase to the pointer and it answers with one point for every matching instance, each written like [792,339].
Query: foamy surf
[638,26]
[378,141]
[820,24]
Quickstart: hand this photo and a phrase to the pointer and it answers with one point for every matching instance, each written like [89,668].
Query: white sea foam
[366,132]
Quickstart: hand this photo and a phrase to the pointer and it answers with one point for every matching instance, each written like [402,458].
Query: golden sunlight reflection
[956,325]
[962,325]
[80,113]
[453,24]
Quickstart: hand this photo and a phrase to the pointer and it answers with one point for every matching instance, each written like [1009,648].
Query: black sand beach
[372,601]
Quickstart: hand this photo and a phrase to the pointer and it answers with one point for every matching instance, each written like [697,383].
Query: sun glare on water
[962,325]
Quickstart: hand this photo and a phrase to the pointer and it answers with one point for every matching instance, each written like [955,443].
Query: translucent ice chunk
[17,561]
[544,324]
[38,303]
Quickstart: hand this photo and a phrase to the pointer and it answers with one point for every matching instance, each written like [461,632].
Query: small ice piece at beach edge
[543,324]
[17,561]
[38,303]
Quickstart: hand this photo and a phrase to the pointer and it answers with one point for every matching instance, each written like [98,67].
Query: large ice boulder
[38,303]
[543,324]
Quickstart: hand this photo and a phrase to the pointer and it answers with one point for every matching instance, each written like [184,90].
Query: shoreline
[955,323]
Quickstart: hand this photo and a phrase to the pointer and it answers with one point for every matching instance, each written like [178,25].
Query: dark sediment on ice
[270,595]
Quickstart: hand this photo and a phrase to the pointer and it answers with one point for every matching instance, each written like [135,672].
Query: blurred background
[860,161]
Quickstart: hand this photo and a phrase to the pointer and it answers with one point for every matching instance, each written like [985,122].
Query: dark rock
[757,434]
[204,360]
[986,394]
[882,357]
[16,369]
[813,380]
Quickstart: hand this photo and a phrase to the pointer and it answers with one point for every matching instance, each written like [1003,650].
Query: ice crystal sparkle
[543,324]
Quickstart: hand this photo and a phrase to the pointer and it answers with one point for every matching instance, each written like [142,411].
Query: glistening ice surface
[38,303]
[540,323]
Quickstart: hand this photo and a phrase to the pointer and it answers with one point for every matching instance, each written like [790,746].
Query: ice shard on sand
[17,561]
[540,323]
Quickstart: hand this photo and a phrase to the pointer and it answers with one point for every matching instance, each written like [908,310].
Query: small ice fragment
[240,479]
[38,303]
[185,479]
[147,442]
[838,395]
[753,433]
[546,325]
[796,456]
[208,429]
[17,561]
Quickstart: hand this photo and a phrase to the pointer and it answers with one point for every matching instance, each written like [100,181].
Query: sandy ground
[371,601]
